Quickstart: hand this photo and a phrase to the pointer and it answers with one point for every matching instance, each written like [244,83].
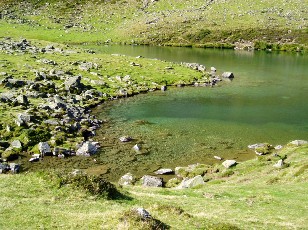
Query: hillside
[200,23]
[251,195]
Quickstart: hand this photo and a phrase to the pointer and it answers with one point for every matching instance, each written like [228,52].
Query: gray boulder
[227,75]
[127,179]
[190,183]
[44,148]
[88,148]
[152,181]
[229,163]
[23,119]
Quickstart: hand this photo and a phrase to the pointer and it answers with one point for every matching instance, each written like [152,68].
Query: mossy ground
[257,196]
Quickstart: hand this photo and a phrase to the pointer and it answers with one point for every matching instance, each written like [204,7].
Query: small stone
[127,179]
[218,158]
[125,139]
[144,214]
[137,147]
[279,164]
[227,75]
[277,147]
[163,171]
[229,163]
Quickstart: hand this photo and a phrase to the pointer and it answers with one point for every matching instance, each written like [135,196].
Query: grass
[249,199]
[179,23]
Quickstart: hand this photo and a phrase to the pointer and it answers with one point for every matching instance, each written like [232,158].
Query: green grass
[249,199]
[181,23]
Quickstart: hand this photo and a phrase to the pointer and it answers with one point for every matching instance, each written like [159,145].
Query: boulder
[190,183]
[137,147]
[229,163]
[152,181]
[163,171]
[23,119]
[44,148]
[163,88]
[127,179]
[15,168]
[227,75]
[87,149]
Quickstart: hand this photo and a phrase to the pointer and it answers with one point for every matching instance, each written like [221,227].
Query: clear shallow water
[266,102]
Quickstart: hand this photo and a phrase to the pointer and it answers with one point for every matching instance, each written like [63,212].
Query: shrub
[10,155]
[93,184]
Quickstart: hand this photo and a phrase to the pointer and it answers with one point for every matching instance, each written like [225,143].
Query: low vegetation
[257,195]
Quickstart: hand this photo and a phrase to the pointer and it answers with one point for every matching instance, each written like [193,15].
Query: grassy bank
[254,195]
[278,25]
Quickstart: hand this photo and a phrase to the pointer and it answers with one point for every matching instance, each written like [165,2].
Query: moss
[173,182]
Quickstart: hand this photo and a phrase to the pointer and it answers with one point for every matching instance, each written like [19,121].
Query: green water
[266,102]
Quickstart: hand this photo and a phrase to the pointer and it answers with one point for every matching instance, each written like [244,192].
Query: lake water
[266,102]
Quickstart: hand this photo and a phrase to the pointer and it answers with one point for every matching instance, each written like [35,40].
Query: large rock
[152,181]
[190,183]
[144,214]
[127,179]
[229,163]
[22,99]
[87,149]
[44,149]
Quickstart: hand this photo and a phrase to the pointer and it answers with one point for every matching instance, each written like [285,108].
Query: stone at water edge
[299,142]
[152,181]
[87,149]
[163,171]
[227,75]
[190,183]
[229,163]
[127,179]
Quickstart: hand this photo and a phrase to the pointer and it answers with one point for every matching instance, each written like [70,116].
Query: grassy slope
[182,22]
[256,196]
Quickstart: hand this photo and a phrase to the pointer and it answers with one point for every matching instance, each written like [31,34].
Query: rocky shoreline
[47,109]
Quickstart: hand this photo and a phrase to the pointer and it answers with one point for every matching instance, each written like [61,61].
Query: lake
[266,102]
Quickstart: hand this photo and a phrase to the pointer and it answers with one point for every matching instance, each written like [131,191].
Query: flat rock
[163,171]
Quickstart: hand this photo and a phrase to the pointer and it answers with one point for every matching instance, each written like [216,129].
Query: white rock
[190,183]
[229,163]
